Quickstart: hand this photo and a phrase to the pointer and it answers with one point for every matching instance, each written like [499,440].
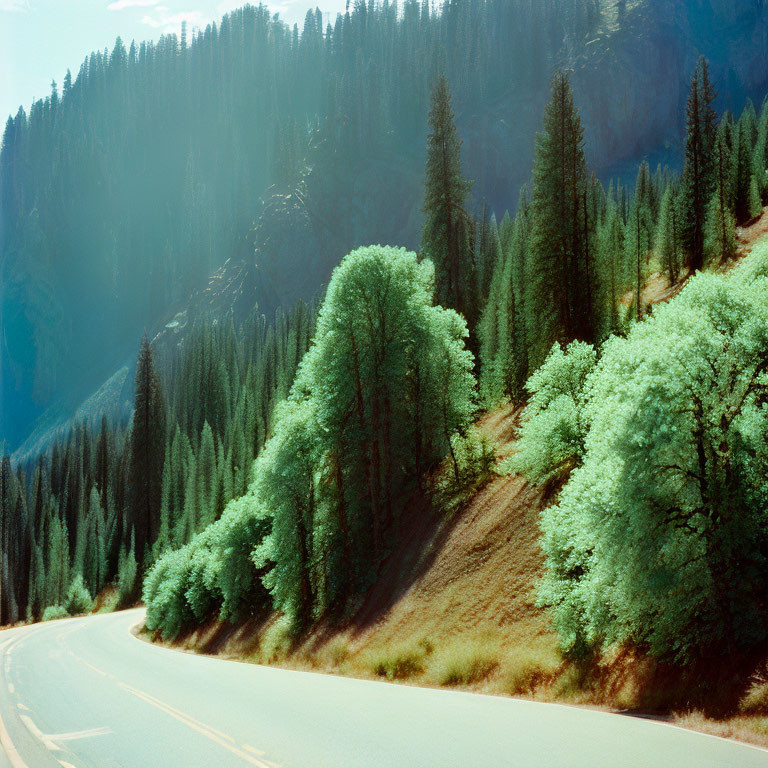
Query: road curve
[85,692]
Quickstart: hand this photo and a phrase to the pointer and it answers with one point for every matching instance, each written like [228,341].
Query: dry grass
[276,643]
[751,729]
[528,667]
[465,661]
[399,662]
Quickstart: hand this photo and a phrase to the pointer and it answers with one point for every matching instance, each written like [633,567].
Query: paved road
[85,692]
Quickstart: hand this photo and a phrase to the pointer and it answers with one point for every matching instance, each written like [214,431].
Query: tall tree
[667,243]
[447,234]
[698,181]
[720,226]
[560,271]
[147,450]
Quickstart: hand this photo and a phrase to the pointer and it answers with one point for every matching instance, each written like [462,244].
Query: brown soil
[482,567]
[474,573]
[748,235]
[658,288]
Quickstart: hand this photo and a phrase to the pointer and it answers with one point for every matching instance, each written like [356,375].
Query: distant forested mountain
[284,148]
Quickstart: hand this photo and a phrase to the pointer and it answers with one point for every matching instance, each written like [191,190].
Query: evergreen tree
[638,232]
[667,243]
[447,235]
[698,181]
[611,263]
[560,281]
[720,234]
[147,449]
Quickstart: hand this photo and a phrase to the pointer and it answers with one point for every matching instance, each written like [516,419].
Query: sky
[40,39]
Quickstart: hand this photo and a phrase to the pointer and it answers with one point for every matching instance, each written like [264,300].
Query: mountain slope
[455,604]
[103,235]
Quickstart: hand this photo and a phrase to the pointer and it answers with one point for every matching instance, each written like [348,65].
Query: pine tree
[611,262]
[207,478]
[667,242]
[447,234]
[742,171]
[560,271]
[639,231]
[698,182]
[147,448]
[720,234]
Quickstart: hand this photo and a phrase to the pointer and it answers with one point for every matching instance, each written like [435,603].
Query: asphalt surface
[86,692]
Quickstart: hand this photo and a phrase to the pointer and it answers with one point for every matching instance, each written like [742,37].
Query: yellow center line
[177,711]
[255,751]
[90,666]
[206,730]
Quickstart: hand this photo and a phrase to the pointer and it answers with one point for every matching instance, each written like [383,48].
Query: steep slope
[455,604]
[466,581]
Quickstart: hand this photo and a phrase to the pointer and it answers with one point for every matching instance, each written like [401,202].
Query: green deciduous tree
[659,537]
[555,422]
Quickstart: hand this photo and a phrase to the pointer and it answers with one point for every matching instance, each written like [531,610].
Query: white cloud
[161,18]
[120,5]
[17,6]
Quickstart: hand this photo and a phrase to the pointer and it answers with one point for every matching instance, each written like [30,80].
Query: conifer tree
[698,182]
[560,273]
[743,168]
[147,448]
[447,235]
[611,263]
[720,234]
[639,231]
[667,241]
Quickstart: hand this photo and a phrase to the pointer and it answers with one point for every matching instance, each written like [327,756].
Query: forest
[270,464]
[151,164]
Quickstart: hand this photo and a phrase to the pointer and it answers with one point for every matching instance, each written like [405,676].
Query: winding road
[86,692]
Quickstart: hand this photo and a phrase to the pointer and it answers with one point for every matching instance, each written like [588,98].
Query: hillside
[288,173]
[455,604]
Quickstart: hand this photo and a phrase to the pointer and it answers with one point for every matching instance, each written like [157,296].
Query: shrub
[399,662]
[755,702]
[214,570]
[336,653]
[53,612]
[78,599]
[474,455]
[240,530]
[127,570]
[554,421]
[164,593]
[465,661]
[277,641]
[525,668]
[201,592]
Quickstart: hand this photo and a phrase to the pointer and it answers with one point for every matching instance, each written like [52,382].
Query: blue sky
[39,39]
